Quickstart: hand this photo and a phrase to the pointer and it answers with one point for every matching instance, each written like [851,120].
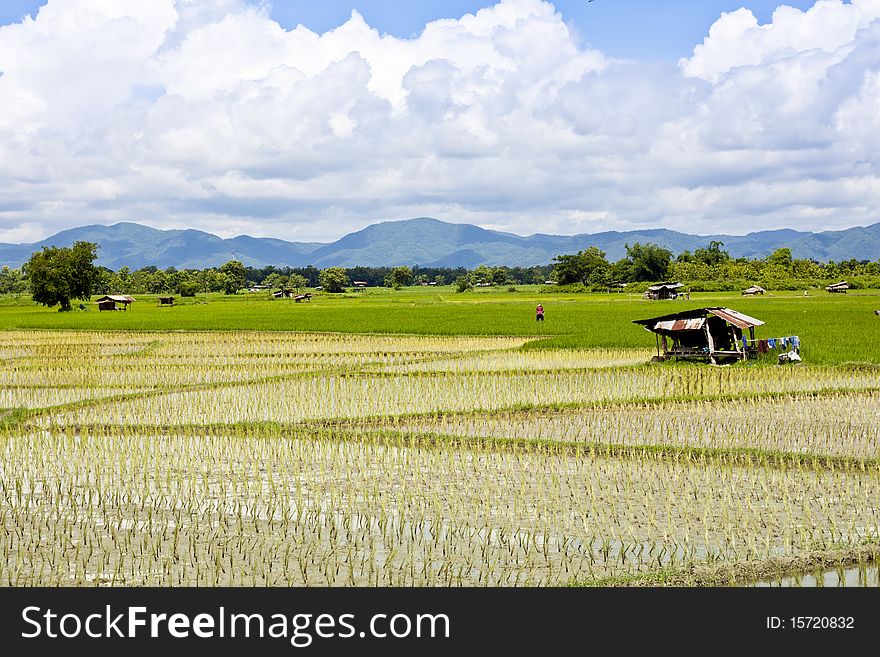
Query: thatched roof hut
[110,301]
[663,291]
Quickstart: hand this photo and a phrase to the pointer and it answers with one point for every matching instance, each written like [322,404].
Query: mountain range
[425,242]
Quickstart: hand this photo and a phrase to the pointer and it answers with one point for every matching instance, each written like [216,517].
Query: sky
[308,120]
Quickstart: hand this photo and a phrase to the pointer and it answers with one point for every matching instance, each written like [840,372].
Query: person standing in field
[539,313]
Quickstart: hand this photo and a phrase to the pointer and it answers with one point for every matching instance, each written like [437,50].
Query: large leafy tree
[12,280]
[399,277]
[712,255]
[235,276]
[333,279]
[588,266]
[59,274]
[647,262]
[298,282]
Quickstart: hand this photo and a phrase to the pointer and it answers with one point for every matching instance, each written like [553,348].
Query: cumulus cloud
[208,114]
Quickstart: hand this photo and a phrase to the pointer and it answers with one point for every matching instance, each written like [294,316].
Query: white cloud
[208,114]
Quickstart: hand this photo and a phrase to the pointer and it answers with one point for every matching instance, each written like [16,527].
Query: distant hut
[113,301]
[283,293]
[755,289]
[359,285]
[712,334]
[661,291]
[838,288]
[166,301]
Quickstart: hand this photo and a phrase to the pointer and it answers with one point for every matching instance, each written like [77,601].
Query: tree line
[59,275]
[708,269]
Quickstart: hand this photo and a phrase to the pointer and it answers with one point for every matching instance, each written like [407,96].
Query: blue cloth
[796,341]
[771,343]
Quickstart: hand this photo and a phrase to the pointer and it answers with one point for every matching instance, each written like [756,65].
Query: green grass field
[833,328]
[422,437]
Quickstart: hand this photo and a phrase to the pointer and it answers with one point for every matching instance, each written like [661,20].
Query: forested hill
[425,242]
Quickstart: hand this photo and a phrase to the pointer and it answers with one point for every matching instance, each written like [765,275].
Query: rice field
[328,459]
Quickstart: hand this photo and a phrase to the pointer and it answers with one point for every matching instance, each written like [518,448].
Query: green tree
[12,281]
[647,262]
[188,287]
[122,284]
[501,276]
[588,267]
[481,274]
[276,279]
[440,279]
[399,277]
[235,276]
[59,274]
[712,255]
[780,257]
[298,282]
[463,284]
[333,279]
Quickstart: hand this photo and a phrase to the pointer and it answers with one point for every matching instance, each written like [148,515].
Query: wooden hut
[755,289]
[359,285]
[713,334]
[283,293]
[113,301]
[661,291]
[166,301]
[838,288]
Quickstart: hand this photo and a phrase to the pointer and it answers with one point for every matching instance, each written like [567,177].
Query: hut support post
[711,345]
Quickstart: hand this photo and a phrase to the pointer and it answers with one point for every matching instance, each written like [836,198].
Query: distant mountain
[424,242]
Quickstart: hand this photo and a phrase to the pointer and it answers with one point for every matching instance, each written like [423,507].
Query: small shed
[112,302]
[660,291]
[166,301]
[303,297]
[359,285]
[713,334]
[283,293]
[755,289]
[838,288]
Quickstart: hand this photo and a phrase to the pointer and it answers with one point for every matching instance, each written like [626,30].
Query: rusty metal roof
[694,319]
[737,319]
[680,324]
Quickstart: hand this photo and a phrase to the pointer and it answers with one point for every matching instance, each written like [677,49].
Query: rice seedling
[287,459]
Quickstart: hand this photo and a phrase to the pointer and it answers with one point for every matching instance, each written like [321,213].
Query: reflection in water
[863,575]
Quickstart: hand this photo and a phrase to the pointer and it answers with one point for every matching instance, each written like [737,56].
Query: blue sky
[641,29]
[575,117]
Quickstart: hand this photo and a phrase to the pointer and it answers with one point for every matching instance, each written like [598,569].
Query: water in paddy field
[855,576]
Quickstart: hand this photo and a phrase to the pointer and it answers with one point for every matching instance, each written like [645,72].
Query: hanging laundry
[771,343]
[796,341]
[762,347]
